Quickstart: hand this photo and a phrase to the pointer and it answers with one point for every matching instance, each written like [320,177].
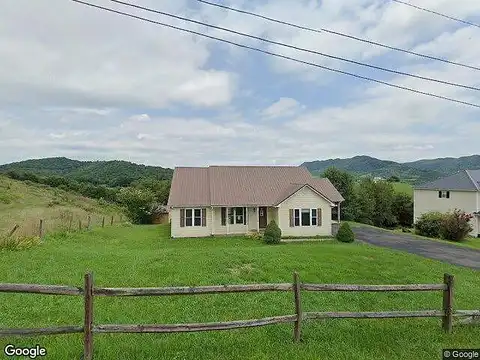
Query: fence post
[88,318]
[297,331]
[79,225]
[111,222]
[447,322]
[70,224]
[103,222]
[15,228]
[40,229]
[89,221]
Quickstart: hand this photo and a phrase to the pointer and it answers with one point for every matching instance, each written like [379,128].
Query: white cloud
[105,87]
[284,107]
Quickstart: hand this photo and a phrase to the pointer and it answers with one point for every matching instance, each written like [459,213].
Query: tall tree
[345,184]
[365,201]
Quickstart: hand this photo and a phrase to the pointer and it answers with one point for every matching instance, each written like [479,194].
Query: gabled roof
[243,185]
[466,180]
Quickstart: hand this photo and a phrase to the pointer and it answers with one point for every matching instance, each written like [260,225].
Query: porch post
[212,226]
[227,222]
[258,219]
[338,213]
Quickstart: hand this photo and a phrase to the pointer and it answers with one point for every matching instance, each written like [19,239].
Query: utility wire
[277,55]
[321,30]
[296,47]
[437,13]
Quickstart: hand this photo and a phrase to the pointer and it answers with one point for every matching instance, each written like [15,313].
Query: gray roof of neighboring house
[467,180]
[243,185]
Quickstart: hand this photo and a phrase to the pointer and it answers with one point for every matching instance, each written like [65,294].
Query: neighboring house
[458,191]
[223,200]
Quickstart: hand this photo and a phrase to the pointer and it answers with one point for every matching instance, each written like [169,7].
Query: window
[236,215]
[297,218]
[197,221]
[188,217]
[193,217]
[443,194]
[314,217]
[305,217]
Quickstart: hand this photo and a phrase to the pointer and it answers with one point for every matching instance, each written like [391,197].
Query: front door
[262,217]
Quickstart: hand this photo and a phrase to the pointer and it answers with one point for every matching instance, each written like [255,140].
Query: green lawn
[403,188]
[146,256]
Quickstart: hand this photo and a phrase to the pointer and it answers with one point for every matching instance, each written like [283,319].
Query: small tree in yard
[272,234]
[345,233]
[455,226]
[137,204]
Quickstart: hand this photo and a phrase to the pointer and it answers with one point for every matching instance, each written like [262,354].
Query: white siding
[189,231]
[306,199]
[428,200]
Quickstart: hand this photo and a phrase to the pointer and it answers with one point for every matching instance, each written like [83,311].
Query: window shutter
[448,194]
[244,216]
[204,217]
[224,216]
[292,220]
[182,217]
[439,194]
[319,217]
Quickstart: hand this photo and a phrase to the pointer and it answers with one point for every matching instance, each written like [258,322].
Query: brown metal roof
[243,185]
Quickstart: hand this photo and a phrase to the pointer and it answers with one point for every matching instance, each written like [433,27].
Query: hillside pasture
[26,203]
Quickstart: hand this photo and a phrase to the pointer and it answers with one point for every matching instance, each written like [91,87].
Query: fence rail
[89,292]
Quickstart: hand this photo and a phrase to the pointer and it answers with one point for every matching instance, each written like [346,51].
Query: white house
[458,191]
[223,200]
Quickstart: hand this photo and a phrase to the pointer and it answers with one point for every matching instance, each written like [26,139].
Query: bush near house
[272,234]
[345,233]
[454,226]
[429,224]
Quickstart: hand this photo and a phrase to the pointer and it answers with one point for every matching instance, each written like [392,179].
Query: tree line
[371,202]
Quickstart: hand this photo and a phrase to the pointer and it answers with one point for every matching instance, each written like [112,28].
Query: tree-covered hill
[414,172]
[110,173]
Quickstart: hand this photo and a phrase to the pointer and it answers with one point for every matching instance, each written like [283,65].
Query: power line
[437,13]
[296,47]
[277,55]
[321,30]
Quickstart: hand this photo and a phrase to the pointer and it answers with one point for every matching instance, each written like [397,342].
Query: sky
[91,85]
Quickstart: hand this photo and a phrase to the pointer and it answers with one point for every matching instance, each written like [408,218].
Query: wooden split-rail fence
[296,287]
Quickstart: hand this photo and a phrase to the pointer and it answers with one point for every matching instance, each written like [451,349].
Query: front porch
[241,220]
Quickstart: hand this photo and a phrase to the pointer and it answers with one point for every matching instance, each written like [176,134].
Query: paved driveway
[453,254]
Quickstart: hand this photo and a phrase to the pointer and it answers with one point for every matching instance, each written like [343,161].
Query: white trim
[212,218]
[311,188]
[227,220]
[258,218]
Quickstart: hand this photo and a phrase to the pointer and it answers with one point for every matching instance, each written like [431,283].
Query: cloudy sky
[87,84]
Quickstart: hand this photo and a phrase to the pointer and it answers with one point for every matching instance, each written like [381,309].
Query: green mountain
[414,172]
[111,173]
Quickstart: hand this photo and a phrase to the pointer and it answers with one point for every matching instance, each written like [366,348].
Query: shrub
[18,243]
[455,226]
[272,234]
[429,224]
[345,233]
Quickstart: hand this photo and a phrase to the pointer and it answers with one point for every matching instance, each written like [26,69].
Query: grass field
[146,256]
[26,203]
[403,188]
